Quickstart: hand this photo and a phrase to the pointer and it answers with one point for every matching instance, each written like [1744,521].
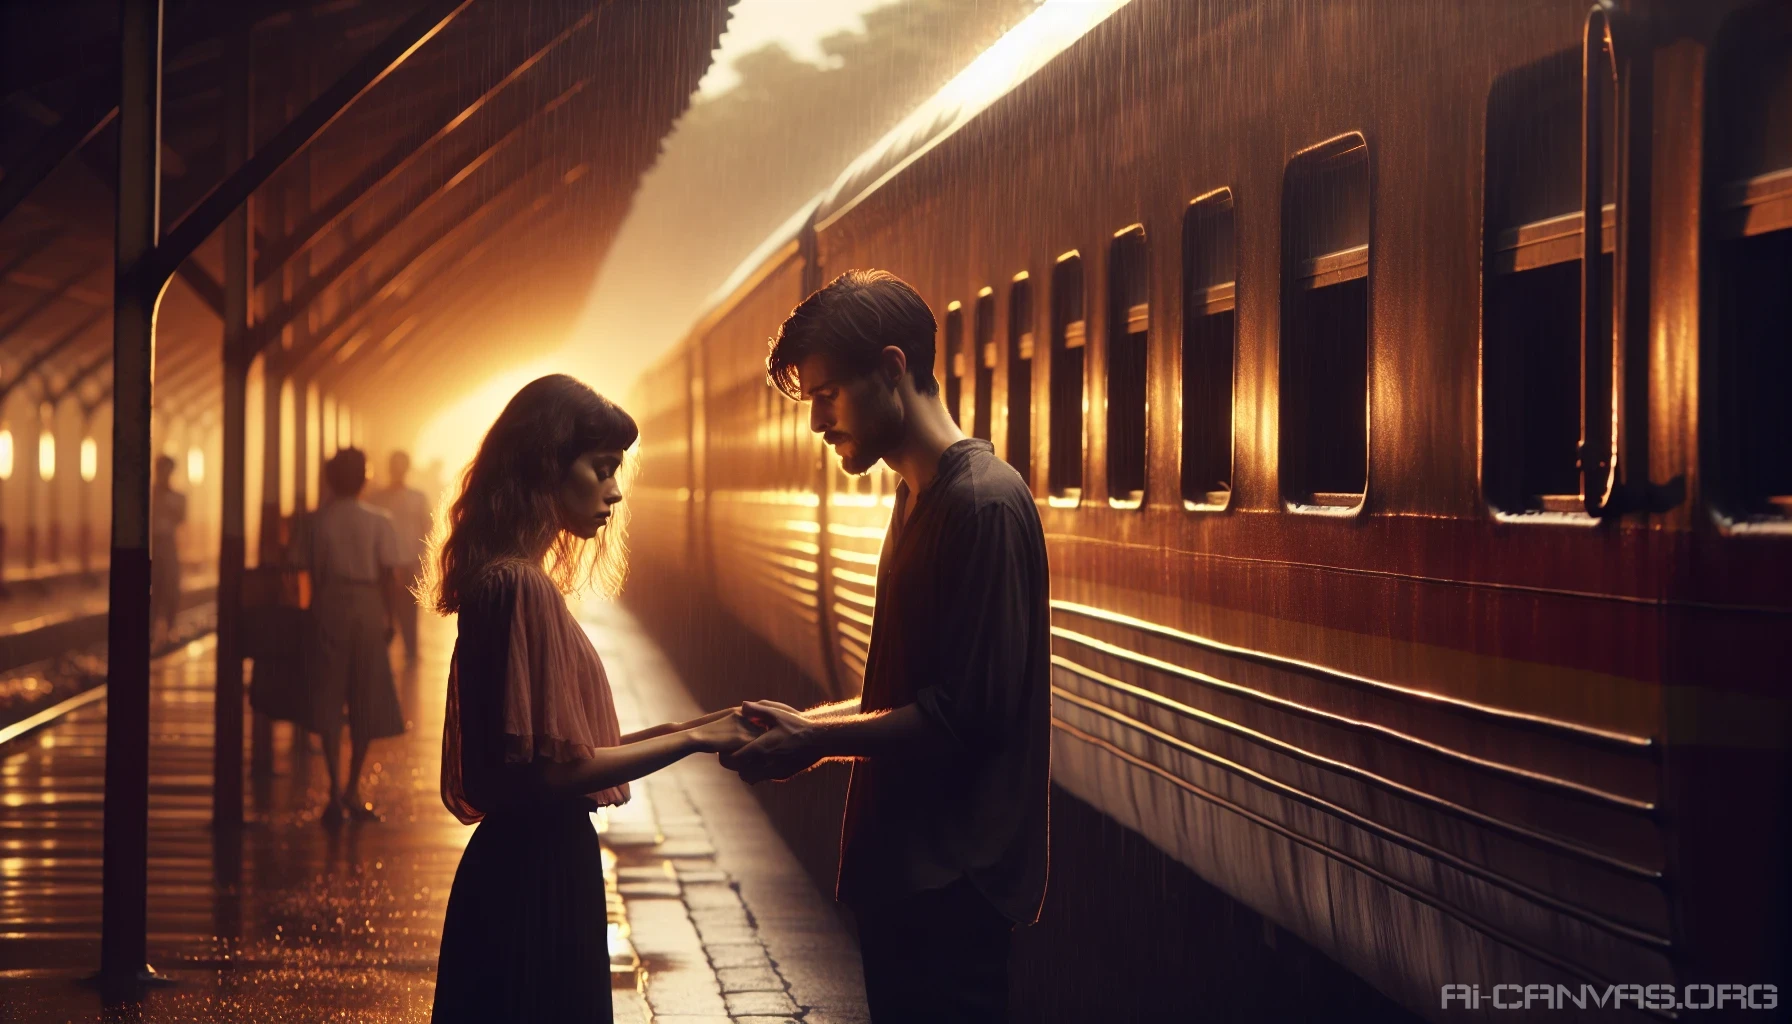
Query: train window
[1020,376]
[1129,320]
[983,334]
[955,360]
[1065,458]
[1531,306]
[1325,325]
[1749,270]
[1209,339]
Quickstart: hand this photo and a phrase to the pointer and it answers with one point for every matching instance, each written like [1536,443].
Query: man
[352,553]
[409,509]
[943,846]
[167,511]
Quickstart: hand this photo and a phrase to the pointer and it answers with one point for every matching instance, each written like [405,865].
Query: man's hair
[347,472]
[851,320]
[165,464]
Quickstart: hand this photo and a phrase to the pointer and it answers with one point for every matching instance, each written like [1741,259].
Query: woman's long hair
[508,506]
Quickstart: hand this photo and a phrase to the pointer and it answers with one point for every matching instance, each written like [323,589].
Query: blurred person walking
[356,592]
[410,512]
[167,511]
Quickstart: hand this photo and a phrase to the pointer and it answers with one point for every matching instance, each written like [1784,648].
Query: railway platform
[713,920]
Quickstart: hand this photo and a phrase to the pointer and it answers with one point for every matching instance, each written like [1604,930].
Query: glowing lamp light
[5,455]
[46,456]
[90,459]
[195,466]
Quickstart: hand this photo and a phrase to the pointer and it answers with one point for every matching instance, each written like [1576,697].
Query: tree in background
[740,163]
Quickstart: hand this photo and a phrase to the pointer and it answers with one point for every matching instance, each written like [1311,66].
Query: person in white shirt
[410,512]
[358,571]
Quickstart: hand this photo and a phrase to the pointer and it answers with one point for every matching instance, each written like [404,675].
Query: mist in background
[798,90]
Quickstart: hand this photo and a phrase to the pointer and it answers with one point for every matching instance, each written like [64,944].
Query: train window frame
[1303,274]
[1747,207]
[1524,242]
[1065,335]
[1213,298]
[953,350]
[1022,349]
[1125,322]
[984,355]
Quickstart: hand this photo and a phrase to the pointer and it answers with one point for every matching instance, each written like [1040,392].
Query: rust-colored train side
[1449,642]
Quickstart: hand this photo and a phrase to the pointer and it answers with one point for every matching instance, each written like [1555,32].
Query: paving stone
[630,1007]
[631,837]
[719,917]
[685,848]
[686,990]
[648,873]
[726,933]
[648,890]
[710,894]
[662,932]
[764,1004]
[702,877]
[749,979]
[766,1020]
[745,954]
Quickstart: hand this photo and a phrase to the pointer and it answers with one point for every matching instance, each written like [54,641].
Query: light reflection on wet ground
[299,922]
[294,922]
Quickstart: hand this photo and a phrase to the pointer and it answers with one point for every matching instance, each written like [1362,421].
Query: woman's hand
[702,720]
[725,734]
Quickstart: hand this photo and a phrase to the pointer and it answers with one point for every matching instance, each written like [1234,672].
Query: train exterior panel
[1346,620]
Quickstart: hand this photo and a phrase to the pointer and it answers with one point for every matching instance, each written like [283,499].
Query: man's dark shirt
[962,628]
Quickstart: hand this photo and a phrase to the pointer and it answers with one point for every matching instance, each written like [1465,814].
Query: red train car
[1422,574]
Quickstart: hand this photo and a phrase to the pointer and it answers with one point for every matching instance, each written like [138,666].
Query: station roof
[449,221]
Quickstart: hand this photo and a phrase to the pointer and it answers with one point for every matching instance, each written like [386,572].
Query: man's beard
[869,446]
[857,462]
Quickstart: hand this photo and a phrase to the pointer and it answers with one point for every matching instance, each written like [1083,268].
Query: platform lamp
[46,471]
[5,475]
[90,468]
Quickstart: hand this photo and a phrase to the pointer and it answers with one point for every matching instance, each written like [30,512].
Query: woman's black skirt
[525,939]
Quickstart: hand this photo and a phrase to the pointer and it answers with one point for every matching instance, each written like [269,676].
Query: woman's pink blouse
[553,701]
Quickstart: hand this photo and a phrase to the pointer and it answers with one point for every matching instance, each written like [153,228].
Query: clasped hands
[763,740]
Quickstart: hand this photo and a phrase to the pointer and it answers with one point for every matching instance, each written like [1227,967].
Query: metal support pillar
[227,716]
[124,907]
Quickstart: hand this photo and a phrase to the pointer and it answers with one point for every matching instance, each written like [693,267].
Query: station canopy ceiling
[449,221]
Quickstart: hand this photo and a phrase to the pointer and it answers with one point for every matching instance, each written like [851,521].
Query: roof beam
[394,162]
[442,182]
[35,244]
[336,335]
[62,341]
[233,191]
[391,353]
[45,301]
[89,116]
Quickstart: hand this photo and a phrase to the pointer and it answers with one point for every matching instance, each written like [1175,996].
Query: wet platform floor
[295,921]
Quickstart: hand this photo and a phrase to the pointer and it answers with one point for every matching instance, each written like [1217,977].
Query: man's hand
[786,747]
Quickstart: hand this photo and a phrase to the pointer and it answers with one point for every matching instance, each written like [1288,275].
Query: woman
[531,744]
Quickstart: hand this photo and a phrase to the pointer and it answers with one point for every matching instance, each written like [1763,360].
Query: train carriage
[1420,570]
